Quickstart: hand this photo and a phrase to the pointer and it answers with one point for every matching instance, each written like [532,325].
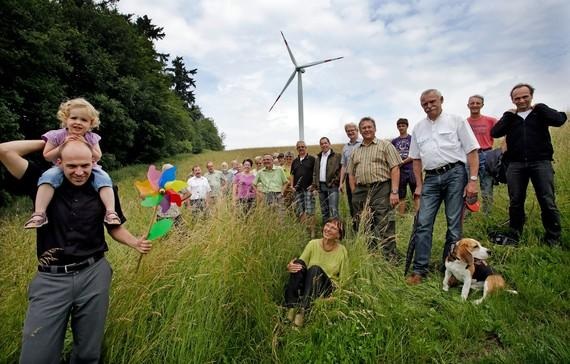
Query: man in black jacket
[530,155]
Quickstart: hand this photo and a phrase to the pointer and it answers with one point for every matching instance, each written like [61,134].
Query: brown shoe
[299,320]
[414,279]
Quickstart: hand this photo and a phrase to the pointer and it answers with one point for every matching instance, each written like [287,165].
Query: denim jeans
[542,176]
[328,198]
[54,177]
[447,188]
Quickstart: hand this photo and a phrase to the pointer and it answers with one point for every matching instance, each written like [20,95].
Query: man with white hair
[441,145]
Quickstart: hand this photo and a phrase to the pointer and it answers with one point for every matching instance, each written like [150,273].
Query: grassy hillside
[211,291]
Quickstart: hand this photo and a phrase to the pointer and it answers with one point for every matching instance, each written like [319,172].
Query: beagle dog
[466,263]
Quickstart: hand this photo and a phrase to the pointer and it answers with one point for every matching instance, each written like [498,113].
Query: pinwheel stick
[147,233]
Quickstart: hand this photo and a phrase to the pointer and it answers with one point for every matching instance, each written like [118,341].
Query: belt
[70,268]
[484,149]
[368,185]
[445,168]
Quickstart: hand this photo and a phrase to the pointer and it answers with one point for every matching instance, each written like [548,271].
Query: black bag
[496,165]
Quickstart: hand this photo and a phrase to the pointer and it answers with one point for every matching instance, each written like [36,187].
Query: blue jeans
[448,188]
[542,176]
[328,197]
[54,177]
[485,183]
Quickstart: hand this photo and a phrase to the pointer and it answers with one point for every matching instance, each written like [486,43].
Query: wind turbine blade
[287,84]
[289,50]
[319,62]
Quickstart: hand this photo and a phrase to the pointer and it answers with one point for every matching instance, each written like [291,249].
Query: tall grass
[211,291]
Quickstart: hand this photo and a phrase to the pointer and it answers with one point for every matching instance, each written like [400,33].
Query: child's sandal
[111,218]
[37,220]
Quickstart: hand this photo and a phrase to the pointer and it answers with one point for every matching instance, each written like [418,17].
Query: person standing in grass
[271,183]
[216,180]
[73,278]
[228,178]
[530,158]
[374,176]
[322,266]
[402,144]
[326,179]
[243,190]
[302,181]
[441,144]
[78,117]
[482,125]
[199,190]
[351,130]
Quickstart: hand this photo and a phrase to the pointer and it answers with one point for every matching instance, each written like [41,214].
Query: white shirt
[448,139]
[198,187]
[323,169]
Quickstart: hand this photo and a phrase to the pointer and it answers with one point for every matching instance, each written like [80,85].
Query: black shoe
[552,242]
[503,239]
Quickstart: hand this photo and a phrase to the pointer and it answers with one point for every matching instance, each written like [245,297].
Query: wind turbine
[299,70]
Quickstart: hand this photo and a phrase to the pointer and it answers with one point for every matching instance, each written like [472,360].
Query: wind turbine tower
[299,70]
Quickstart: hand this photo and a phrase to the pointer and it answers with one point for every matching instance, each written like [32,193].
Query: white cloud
[393,50]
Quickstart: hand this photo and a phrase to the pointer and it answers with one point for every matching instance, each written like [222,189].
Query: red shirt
[482,129]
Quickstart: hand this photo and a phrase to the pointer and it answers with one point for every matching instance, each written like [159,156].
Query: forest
[51,51]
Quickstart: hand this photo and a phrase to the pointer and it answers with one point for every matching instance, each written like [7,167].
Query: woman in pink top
[243,190]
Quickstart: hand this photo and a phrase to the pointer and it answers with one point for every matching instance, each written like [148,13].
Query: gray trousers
[53,299]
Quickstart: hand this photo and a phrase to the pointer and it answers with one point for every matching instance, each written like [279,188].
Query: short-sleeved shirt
[402,145]
[347,150]
[446,140]
[482,129]
[228,177]
[57,137]
[75,230]
[198,187]
[373,162]
[215,180]
[302,172]
[334,263]
[270,180]
[244,183]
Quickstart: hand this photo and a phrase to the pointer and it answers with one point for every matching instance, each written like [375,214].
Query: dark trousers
[350,206]
[541,174]
[306,285]
[381,220]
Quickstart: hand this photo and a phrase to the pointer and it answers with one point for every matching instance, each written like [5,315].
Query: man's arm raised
[11,155]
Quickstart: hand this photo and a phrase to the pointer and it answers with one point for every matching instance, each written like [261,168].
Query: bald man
[73,278]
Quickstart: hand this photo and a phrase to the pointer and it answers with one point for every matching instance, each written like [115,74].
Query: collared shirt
[75,230]
[372,163]
[198,187]
[347,150]
[482,129]
[323,169]
[215,180]
[271,180]
[448,139]
[228,177]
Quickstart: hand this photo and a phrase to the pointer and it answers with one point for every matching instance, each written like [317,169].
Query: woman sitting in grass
[323,264]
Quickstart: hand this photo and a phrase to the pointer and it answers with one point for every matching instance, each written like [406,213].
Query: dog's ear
[464,253]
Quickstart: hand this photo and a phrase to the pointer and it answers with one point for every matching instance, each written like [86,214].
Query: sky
[393,50]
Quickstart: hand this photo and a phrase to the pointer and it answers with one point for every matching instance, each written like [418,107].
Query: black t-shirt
[75,214]
[302,172]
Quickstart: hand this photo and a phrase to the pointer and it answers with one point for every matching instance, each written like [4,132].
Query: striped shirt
[372,163]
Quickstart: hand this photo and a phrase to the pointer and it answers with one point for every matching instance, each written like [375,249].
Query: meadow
[211,291]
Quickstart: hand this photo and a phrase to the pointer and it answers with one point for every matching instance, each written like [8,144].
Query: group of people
[443,160]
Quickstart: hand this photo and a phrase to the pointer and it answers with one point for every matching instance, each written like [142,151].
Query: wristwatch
[394,192]
[473,178]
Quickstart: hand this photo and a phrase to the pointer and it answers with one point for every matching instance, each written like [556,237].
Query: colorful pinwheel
[160,190]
